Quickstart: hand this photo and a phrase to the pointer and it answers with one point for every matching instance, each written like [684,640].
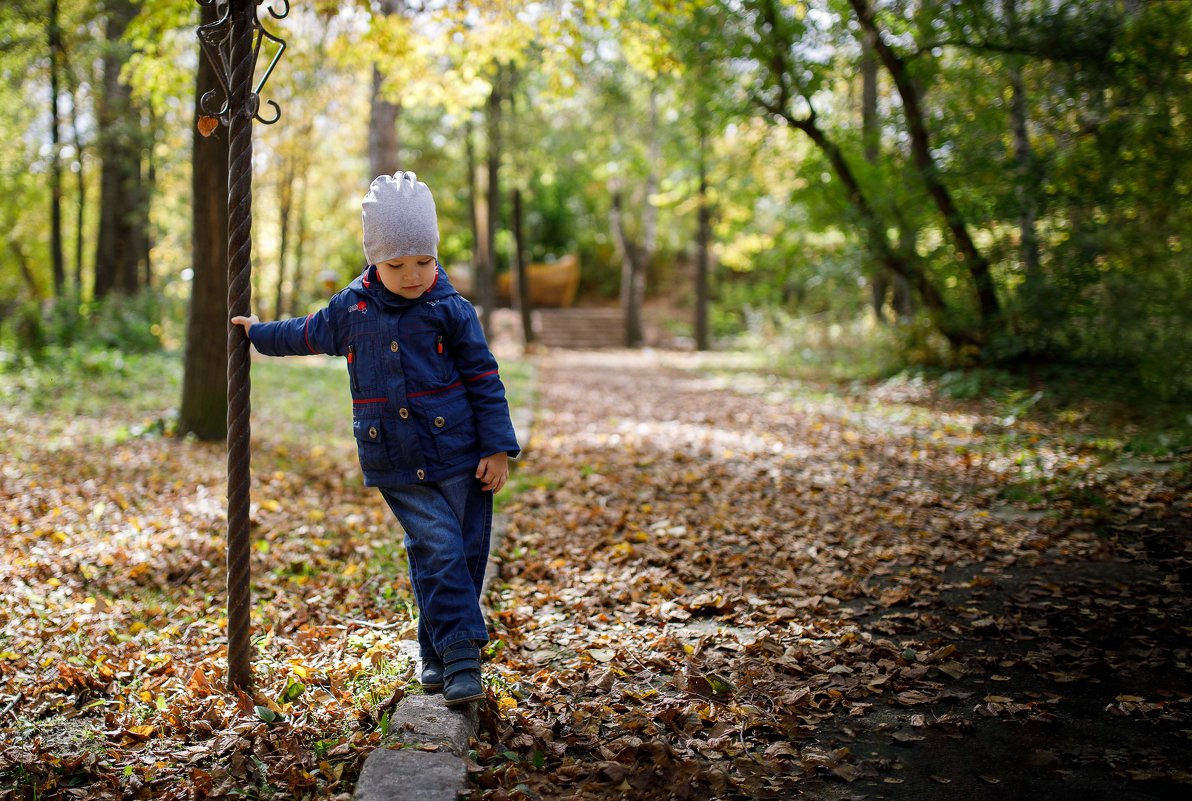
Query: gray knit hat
[399,218]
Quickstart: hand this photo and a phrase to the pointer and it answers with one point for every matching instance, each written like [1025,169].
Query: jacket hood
[368,285]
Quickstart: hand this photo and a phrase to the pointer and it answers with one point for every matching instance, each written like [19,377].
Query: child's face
[407,276]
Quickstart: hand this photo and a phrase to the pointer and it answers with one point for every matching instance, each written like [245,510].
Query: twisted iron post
[239,302]
[232,44]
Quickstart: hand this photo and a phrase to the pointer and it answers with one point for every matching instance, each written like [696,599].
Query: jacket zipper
[352,367]
[439,344]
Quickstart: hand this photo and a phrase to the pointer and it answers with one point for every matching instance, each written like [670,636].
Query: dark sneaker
[432,674]
[461,674]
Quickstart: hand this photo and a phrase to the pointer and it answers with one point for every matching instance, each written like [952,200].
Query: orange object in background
[552,285]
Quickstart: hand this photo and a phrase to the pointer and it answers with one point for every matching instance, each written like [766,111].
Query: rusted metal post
[232,44]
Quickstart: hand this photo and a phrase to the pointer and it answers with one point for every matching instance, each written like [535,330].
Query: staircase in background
[580,329]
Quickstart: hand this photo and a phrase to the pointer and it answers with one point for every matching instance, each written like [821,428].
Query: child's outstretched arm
[297,336]
[248,322]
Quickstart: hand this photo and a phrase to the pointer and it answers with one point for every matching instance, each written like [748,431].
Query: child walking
[429,415]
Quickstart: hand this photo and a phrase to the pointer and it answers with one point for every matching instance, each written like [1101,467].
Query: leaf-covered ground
[718,585]
[112,628]
[714,584]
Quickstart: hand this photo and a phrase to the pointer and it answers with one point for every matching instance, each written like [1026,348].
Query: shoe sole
[434,688]
[466,700]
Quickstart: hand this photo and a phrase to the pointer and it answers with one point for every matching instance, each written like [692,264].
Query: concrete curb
[424,756]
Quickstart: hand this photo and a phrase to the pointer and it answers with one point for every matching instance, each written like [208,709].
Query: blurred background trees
[949,182]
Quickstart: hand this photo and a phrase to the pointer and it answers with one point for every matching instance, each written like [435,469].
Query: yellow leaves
[622,550]
[140,733]
[270,505]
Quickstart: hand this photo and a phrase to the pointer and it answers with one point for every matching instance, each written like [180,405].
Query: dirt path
[724,587]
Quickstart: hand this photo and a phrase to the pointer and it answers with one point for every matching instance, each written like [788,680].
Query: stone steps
[580,329]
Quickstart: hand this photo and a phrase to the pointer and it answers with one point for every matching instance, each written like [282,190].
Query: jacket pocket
[452,426]
[352,368]
[363,364]
[370,443]
[426,355]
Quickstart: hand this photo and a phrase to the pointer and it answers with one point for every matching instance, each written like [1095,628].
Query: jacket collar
[369,285]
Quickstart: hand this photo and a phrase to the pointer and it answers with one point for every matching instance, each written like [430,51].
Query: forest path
[720,585]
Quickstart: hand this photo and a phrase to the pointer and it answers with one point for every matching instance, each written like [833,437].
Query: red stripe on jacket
[435,391]
[305,336]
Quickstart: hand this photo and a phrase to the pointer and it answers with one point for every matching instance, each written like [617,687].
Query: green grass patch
[95,383]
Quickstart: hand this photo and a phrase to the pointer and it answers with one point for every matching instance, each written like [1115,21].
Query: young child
[429,414]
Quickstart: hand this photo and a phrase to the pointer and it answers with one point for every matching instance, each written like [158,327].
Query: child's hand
[493,471]
[248,322]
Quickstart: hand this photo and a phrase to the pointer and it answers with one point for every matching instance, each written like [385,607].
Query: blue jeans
[447,525]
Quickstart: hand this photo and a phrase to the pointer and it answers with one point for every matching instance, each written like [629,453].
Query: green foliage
[128,324]
[1107,97]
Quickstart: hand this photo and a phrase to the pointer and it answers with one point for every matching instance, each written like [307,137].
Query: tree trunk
[976,263]
[523,280]
[81,206]
[120,146]
[703,240]
[299,245]
[204,381]
[145,223]
[879,279]
[630,271]
[870,132]
[870,138]
[285,203]
[382,119]
[1024,156]
[473,206]
[56,257]
[382,131]
[635,258]
[903,300]
[485,277]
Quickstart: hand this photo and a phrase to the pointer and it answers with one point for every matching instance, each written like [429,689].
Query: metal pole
[232,44]
[239,302]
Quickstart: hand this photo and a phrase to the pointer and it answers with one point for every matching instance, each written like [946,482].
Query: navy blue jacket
[427,400]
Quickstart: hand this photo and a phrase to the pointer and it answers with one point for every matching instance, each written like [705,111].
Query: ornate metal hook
[216,41]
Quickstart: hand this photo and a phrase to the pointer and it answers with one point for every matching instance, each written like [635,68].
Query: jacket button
[393,346]
[403,413]
[421,474]
[440,422]
[372,432]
